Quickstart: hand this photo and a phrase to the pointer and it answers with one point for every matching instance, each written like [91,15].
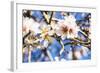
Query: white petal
[45,43]
[78,54]
[85,51]
[63,37]
[51,32]
[35,27]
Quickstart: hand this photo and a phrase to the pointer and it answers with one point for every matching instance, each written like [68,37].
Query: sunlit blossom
[67,28]
[30,24]
[46,32]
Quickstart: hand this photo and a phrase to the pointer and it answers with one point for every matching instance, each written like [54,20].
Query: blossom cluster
[55,36]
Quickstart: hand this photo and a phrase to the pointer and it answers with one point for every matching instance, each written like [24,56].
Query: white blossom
[67,28]
[30,24]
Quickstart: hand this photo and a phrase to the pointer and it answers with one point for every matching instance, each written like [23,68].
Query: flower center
[64,29]
[70,31]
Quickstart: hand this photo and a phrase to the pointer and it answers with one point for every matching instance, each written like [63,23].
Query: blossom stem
[62,49]
[49,55]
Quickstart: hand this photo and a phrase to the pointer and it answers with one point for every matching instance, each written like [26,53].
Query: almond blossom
[67,28]
[30,24]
